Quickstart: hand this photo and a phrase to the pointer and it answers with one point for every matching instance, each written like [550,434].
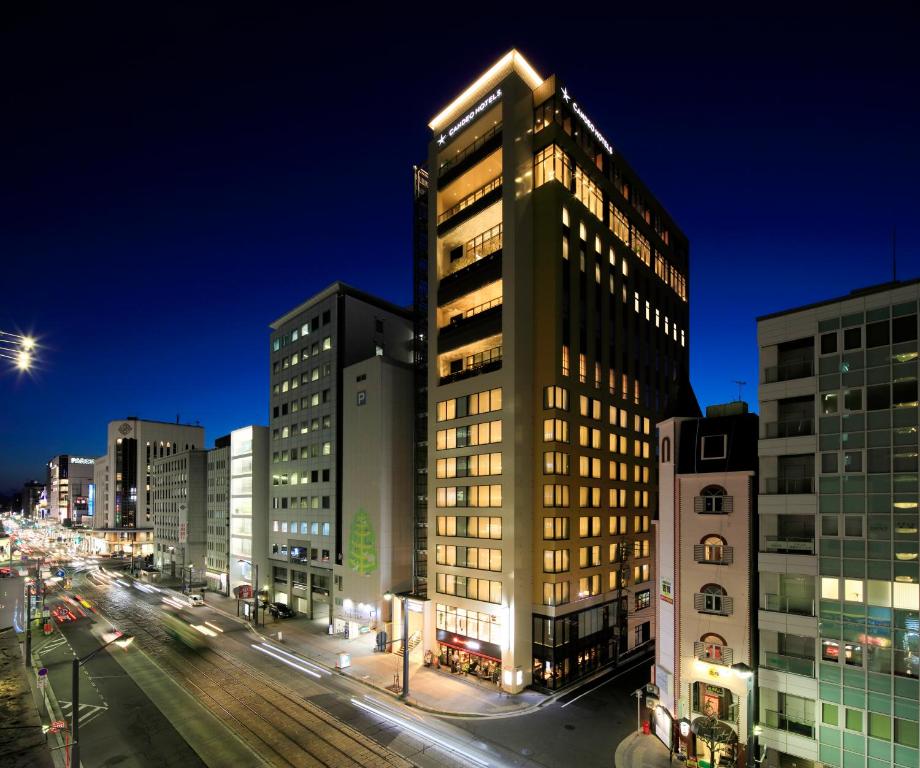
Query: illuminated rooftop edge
[510,62]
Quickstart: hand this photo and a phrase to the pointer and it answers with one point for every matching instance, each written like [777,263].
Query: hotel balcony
[470,204]
[780,721]
[798,369]
[479,264]
[788,485]
[454,166]
[790,605]
[782,662]
[471,325]
[484,356]
[786,534]
[790,428]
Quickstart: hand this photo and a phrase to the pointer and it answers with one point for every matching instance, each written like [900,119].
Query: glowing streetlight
[17,348]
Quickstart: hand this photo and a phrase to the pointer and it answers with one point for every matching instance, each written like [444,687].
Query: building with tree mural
[377,451]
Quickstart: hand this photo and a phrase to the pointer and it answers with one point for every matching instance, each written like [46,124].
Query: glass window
[829,403]
[876,334]
[828,462]
[830,588]
[879,726]
[852,338]
[854,719]
[828,343]
[906,733]
[829,714]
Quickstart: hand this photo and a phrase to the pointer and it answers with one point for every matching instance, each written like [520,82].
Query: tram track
[280,726]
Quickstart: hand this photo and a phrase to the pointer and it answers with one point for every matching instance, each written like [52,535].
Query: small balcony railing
[787,485]
[713,505]
[714,554]
[796,369]
[795,606]
[449,162]
[790,545]
[718,605]
[782,722]
[471,198]
[794,665]
[481,362]
[789,428]
[478,309]
[484,244]
[713,654]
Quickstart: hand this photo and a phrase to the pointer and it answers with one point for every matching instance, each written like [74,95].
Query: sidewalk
[640,751]
[431,690]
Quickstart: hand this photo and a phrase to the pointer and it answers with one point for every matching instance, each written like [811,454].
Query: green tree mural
[362,544]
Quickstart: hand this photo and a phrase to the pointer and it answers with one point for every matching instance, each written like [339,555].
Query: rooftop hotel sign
[470,116]
[587,122]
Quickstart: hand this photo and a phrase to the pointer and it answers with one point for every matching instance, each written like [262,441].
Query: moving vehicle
[281,611]
[195,600]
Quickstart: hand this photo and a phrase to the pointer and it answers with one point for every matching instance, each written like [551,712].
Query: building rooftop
[512,61]
[341,289]
[854,294]
[156,421]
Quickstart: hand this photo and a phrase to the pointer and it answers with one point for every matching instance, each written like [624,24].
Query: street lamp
[18,348]
[388,596]
[746,673]
[123,640]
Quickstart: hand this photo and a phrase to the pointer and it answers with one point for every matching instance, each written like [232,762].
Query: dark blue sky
[172,182]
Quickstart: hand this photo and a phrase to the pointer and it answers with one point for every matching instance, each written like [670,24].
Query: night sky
[172,182]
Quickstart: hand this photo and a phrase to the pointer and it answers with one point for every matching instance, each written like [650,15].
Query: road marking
[608,680]
[88,712]
[57,642]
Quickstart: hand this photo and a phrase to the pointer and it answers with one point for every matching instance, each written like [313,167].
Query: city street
[552,736]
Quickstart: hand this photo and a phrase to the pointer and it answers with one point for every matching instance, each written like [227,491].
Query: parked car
[281,611]
[195,600]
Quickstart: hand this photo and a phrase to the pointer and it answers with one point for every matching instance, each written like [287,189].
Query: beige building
[557,336]
[377,493]
[706,569]
[217,555]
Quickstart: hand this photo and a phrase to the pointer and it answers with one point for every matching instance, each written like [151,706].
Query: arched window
[712,598]
[666,450]
[713,548]
[713,647]
[713,497]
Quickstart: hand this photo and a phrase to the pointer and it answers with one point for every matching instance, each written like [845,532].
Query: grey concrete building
[179,493]
[217,555]
[310,346]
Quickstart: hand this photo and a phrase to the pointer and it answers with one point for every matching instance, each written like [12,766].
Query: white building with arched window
[705,620]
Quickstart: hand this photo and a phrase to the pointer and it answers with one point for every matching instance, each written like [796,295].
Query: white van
[194,600]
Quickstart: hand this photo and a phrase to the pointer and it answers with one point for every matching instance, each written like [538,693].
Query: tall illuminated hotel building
[557,337]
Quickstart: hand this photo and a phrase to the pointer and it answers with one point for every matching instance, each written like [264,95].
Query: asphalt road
[581,728]
[119,725]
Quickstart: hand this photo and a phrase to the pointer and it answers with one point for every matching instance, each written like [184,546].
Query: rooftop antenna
[894,254]
[740,387]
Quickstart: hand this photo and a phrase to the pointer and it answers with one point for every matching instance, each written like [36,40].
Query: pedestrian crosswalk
[55,642]
[88,712]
